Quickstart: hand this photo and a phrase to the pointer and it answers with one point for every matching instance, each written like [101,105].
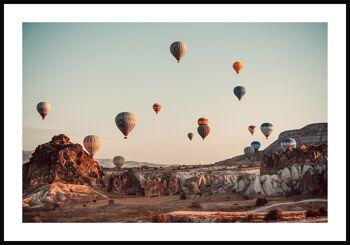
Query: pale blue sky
[89,72]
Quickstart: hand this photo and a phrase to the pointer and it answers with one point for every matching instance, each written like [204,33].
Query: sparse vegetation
[196,205]
[160,218]
[273,215]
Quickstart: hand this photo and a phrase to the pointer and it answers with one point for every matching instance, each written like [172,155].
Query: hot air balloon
[255,145]
[202,121]
[266,129]
[203,130]
[125,121]
[43,108]
[249,150]
[92,143]
[251,129]
[118,161]
[190,136]
[237,66]
[239,91]
[288,142]
[157,107]
[178,50]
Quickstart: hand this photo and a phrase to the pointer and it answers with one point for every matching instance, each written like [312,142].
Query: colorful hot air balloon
[92,143]
[203,130]
[202,121]
[157,107]
[251,129]
[43,108]
[126,122]
[266,129]
[237,66]
[239,91]
[288,142]
[118,161]
[255,145]
[178,50]
[190,136]
[249,150]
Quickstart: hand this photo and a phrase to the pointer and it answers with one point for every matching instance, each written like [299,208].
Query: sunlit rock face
[62,161]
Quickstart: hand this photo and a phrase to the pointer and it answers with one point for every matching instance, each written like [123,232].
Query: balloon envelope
[178,50]
[118,161]
[237,66]
[202,121]
[251,129]
[249,150]
[43,108]
[203,130]
[190,136]
[266,129]
[157,107]
[92,144]
[288,142]
[126,122]
[239,91]
[255,145]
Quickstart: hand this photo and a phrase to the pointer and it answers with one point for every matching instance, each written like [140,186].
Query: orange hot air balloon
[157,107]
[202,121]
[237,66]
[251,129]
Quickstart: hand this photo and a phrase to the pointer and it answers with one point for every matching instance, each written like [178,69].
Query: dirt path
[286,203]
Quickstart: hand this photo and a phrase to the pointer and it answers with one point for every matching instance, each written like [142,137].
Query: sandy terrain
[143,209]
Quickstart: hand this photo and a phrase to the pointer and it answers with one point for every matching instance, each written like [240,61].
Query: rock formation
[62,161]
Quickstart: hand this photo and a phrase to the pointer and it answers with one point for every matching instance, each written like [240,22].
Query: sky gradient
[89,72]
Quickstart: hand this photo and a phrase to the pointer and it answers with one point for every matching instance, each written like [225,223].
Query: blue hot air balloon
[255,145]
[288,142]
[239,91]
[266,129]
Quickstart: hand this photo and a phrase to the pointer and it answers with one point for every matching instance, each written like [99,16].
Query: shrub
[110,202]
[274,214]
[196,205]
[183,196]
[160,218]
[323,211]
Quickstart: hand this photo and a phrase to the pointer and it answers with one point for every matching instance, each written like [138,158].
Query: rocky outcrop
[62,161]
[304,154]
[316,134]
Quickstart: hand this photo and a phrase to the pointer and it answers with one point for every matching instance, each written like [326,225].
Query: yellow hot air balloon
[251,129]
[237,66]
[92,144]
[43,108]
[157,107]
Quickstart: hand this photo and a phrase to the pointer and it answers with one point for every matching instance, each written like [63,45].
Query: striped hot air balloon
[190,136]
[178,50]
[118,161]
[288,142]
[126,122]
[255,145]
[202,121]
[239,91]
[43,108]
[157,107]
[251,129]
[203,130]
[237,66]
[92,144]
[266,129]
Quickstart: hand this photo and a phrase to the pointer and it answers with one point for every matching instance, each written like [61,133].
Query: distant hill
[316,133]
[108,163]
[26,155]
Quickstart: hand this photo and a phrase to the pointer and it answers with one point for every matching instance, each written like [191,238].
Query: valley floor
[117,208]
